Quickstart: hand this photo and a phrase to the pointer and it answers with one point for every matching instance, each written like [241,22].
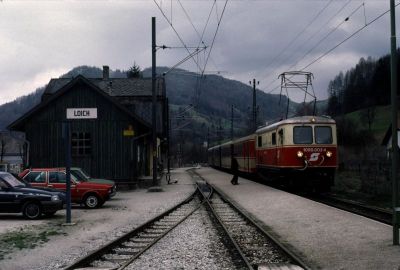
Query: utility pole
[232,123]
[254,104]
[395,148]
[154,98]
[219,132]
[168,141]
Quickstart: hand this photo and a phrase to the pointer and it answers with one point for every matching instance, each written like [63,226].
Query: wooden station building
[116,144]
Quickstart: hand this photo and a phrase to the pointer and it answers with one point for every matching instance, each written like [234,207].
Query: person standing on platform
[235,171]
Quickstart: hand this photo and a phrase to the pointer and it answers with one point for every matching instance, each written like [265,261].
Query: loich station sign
[81,113]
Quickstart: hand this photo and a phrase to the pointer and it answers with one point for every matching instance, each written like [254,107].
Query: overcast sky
[40,40]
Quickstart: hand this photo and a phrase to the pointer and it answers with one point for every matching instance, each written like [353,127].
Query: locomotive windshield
[302,135]
[323,135]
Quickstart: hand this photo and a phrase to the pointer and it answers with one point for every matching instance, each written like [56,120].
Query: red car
[91,194]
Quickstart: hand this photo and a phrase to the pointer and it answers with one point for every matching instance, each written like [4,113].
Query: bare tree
[3,149]
[368,115]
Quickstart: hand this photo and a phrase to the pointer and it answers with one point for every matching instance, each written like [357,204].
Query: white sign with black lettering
[81,113]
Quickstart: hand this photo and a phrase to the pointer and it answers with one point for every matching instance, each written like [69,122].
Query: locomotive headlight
[328,154]
[300,154]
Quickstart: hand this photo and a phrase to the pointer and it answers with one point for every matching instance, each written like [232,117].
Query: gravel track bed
[93,228]
[194,244]
[257,248]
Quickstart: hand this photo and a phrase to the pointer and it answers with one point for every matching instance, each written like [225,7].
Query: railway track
[375,213]
[249,246]
[258,249]
[121,252]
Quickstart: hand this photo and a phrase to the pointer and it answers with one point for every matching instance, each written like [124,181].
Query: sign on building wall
[81,113]
[129,131]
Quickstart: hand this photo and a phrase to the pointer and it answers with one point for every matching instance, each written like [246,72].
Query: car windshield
[12,181]
[87,176]
[79,174]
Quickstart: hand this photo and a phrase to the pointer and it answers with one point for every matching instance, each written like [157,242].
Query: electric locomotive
[300,150]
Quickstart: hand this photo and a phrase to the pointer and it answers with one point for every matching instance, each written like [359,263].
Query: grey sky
[44,39]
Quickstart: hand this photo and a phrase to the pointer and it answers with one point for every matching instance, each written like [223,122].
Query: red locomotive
[300,151]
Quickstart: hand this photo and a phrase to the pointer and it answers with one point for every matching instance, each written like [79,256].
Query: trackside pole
[67,142]
[395,149]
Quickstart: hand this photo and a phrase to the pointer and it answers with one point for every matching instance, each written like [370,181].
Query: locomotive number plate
[314,150]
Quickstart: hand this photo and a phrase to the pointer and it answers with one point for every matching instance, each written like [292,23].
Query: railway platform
[325,237]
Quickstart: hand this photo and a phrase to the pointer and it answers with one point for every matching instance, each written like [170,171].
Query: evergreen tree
[134,71]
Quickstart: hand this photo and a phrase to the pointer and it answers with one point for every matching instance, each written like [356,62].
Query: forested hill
[215,98]
[366,85]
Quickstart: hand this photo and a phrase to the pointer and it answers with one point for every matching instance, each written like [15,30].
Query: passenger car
[82,175]
[91,194]
[15,197]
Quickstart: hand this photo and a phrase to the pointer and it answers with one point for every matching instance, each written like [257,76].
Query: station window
[81,144]
[280,136]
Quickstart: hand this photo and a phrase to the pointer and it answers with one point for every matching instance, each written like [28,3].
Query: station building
[116,144]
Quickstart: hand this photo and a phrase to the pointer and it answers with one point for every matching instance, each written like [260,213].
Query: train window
[302,135]
[323,135]
[259,141]
[280,136]
[273,138]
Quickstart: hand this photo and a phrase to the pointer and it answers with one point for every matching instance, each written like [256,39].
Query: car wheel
[31,210]
[92,201]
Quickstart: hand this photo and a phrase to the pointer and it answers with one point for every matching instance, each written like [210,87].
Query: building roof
[63,86]
[116,87]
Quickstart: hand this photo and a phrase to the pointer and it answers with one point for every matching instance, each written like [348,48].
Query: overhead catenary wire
[176,32]
[197,93]
[298,35]
[313,35]
[349,37]
[326,36]
[201,36]
[191,55]
[195,52]
[340,43]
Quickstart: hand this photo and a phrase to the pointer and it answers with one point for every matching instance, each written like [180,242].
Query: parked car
[92,195]
[82,175]
[16,197]
[60,193]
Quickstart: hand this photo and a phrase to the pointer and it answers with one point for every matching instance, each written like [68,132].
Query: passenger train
[295,151]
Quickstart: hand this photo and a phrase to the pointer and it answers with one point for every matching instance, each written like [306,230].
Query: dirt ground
[47,244]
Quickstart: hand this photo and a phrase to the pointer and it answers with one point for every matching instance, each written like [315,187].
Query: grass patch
[380,123]
[348,186]
[25,238]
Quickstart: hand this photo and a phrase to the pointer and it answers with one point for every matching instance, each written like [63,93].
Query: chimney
[106,72]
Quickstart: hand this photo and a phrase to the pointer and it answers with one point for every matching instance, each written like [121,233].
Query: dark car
[16,197]
[61,194]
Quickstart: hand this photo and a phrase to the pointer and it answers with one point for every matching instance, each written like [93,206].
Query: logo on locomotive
[314,156]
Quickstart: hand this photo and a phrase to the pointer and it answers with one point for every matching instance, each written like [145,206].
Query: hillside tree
[134,72]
